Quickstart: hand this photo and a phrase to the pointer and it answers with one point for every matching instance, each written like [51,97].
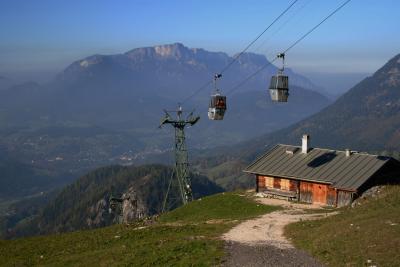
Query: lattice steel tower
[181,169]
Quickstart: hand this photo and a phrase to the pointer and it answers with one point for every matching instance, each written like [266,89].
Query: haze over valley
[105,109]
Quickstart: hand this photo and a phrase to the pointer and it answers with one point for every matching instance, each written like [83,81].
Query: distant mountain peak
[175,50]
[170,50]
[90,61]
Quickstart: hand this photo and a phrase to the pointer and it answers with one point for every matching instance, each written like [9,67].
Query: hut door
[319,193]
[306,192]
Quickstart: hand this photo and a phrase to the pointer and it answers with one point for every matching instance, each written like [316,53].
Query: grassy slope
[187,236]
[229,175]
[370,231]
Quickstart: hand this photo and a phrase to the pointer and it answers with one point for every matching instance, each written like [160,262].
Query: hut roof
[319,165]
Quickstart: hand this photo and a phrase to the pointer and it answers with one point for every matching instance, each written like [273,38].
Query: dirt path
[261,242]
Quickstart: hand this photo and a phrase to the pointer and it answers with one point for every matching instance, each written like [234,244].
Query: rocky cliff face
[133,207]
[98,214]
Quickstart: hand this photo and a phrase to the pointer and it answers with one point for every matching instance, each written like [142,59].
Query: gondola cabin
[279,88]
[217,107]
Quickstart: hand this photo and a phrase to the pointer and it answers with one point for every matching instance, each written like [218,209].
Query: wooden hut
[322,176]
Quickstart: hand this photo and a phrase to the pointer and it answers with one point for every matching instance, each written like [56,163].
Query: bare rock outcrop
[98,214]
[133,208]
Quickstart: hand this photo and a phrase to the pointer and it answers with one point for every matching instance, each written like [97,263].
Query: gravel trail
[261,242]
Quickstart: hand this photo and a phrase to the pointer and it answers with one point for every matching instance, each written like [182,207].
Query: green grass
[183,237]
[370,231]
[230,206]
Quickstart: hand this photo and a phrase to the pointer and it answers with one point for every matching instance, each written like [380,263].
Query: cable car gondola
[279,86]
[217,107]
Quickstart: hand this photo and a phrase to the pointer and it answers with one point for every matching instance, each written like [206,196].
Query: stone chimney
[348,152]
[304,143]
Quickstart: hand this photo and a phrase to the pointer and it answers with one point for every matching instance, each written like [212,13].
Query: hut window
[285,184]
[269,182]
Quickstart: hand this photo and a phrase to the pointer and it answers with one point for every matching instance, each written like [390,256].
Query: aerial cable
[258,37]
[316,26]
[296,12]
[289,48]
[241,53]
[197,91]
[251,76]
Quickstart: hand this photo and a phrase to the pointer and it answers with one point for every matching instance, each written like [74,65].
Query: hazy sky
[47,35]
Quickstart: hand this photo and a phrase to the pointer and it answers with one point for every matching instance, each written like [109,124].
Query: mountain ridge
[197,58]
[126,97]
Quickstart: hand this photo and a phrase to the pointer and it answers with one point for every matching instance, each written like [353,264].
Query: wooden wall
[308,192]
[344,198]
[317,193]
[331,196]
[264,182]
[260,183]
[320,192]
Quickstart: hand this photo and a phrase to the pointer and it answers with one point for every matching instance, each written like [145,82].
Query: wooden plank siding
[260,182]
[331,197]
[285,184]
[317,193]
[344,198]
[269,182]
[294,185]
[277,187]
[277,183]
[320,192]
[306,192]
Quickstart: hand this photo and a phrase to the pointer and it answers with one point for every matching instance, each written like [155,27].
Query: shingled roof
[318,165]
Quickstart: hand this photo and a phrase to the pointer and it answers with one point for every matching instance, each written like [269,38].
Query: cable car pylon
[180,174]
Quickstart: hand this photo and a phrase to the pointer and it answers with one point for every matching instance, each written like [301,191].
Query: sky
[43,37]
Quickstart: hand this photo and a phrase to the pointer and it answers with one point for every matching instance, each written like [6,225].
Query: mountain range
[105,109]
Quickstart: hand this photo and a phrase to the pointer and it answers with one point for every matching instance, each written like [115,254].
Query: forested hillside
[85,203]
[18,179]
